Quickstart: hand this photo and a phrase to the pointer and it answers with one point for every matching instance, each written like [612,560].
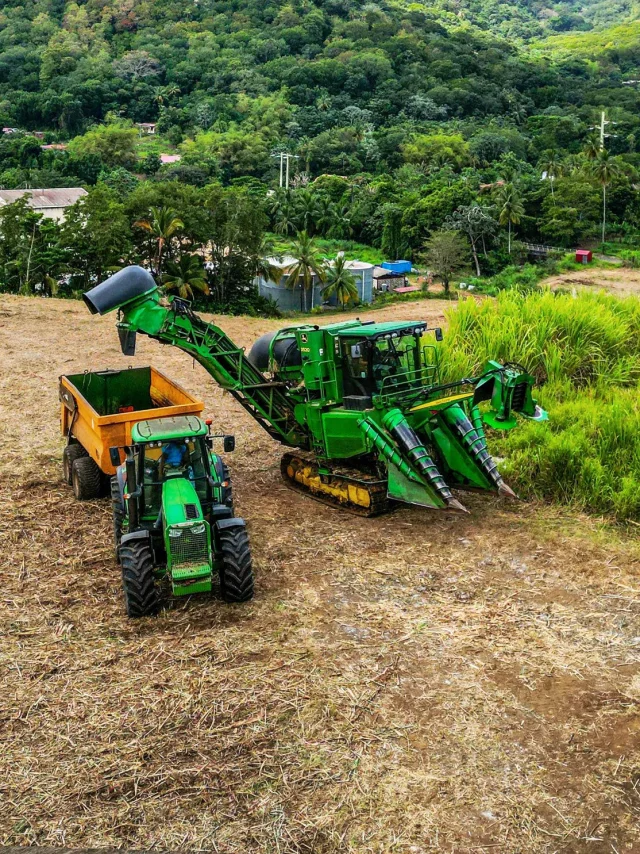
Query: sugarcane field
[415,662]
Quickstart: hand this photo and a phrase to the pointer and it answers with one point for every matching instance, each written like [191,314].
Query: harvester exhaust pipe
[123,287]
[408,440]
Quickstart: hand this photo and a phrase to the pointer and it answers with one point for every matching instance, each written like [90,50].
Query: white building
[50,203]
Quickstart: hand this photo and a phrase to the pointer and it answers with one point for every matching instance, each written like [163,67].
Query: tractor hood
[180,502]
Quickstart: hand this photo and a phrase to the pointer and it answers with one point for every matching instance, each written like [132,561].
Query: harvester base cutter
[348,489]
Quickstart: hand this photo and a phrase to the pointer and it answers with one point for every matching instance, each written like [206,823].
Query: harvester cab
[173,515]
[360,405]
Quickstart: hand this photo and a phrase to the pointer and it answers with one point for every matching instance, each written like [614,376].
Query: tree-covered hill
[65,64]
[469,115]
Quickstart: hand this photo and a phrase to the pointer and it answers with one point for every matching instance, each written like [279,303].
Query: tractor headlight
[175,532]
[198,529]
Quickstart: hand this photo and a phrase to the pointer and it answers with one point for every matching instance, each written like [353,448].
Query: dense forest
[475,116]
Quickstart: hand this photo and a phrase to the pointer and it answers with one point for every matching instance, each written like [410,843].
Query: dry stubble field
[414,683]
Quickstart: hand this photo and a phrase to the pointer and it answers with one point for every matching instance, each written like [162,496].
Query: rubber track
[138,582]
[236,575]
[379,502]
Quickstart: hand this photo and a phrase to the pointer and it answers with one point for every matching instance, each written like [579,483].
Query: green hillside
[402,118]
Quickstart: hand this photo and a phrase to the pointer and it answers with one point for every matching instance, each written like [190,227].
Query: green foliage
[114,144]
[585,353]
[437,149]
[445,253]
[185,276]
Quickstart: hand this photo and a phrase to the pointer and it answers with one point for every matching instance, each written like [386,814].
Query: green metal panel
[343,438]
[108,391]
[166,429]
[402,489]
[176,493]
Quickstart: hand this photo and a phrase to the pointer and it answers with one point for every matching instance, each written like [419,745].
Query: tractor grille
[190,549]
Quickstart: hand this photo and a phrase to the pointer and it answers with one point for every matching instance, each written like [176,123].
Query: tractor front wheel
[236,572]
[141,595]
[86,479]
[70,454]
[118,514]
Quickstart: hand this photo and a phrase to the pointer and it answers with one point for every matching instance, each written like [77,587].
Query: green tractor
[360,405]
[173,516]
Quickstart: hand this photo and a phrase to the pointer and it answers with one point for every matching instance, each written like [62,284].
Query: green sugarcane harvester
[359,403]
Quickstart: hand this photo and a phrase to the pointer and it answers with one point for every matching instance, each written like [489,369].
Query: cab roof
[165,429]
[373,330]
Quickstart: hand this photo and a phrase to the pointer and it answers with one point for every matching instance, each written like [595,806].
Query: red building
[584,256]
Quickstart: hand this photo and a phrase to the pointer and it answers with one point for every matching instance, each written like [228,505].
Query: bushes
[585,354]
[630,257]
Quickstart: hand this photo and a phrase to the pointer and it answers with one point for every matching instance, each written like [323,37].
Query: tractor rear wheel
[86,479]
[236,572]
[70,454]
[141,595]
[118,514]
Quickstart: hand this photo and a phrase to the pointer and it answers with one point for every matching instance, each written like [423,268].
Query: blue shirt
[173,454]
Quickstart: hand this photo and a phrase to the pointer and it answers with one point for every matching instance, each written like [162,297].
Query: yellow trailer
[98,410]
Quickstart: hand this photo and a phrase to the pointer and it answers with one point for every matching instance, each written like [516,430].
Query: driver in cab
[174,459]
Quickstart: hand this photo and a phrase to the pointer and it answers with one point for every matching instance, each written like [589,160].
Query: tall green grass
[585,354]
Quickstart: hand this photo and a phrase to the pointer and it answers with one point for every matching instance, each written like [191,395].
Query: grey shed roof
[383,273]
[59,197]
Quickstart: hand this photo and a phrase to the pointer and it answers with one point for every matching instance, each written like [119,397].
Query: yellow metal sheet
[443,400]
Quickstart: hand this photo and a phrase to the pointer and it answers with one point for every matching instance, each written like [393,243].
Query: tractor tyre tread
[141,595]
[70,454]
[236,573]
[118,514]
[86,479]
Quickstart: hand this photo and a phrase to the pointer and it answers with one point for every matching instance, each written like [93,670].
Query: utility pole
[289,157]
[601,128]
[284,175]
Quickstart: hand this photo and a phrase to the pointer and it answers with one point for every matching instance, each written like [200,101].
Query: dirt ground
[418,682]
[619,280]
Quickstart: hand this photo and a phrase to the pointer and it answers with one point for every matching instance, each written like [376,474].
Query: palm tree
[341,226]
[510,207]
[308,265]
[163,225]
[592,147]
[307,209]
[553,166]
[262,262]
[185,276]
[326,214]
[165,93]
[605,168]
[281,208]
[340,282]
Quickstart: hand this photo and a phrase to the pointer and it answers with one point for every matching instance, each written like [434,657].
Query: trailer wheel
[141,595]
[236,572]
[86,479]
[118,515]
[70,454]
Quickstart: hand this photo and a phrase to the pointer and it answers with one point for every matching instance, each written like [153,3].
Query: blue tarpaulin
[397,266]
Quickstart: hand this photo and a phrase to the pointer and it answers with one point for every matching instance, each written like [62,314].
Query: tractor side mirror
[229,444]
[114,456]
[438,333]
